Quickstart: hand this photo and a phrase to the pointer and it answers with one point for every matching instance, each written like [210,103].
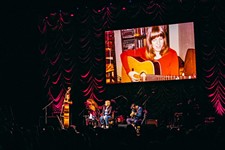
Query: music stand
[46,112]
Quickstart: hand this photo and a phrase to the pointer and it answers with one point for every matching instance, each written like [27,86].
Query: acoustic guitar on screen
[142,67]
[147,71]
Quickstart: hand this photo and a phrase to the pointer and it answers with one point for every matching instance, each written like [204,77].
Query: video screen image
[152,53]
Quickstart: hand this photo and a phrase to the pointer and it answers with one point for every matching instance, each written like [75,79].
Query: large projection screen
[180,37]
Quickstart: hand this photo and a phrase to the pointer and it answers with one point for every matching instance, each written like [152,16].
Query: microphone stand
[119,97]
[144,103]
[46,112]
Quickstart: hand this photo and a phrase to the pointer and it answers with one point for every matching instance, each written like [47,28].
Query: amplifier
[152,122]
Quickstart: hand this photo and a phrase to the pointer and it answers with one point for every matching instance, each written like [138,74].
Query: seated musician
[135,115]
[93,112]
[106,114]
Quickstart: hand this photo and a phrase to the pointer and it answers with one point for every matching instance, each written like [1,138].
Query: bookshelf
[111,73]
[133,38]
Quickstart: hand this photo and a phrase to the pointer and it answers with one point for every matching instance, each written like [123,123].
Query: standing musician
[135,115]
[93,112]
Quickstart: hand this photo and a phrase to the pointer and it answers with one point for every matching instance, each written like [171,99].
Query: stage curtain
[72,51]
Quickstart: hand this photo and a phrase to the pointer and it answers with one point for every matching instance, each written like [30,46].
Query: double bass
[66,108]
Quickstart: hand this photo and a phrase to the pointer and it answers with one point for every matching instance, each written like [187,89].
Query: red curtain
[72,51]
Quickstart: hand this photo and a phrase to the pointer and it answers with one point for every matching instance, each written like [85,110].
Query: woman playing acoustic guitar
[157,50]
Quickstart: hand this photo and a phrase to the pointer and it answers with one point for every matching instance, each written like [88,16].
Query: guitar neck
[151,77]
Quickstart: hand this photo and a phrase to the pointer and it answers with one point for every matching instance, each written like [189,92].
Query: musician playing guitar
[135,115]
[157,50]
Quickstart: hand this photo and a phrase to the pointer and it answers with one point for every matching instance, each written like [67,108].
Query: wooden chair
[142,120]
[190,63]
[112,119]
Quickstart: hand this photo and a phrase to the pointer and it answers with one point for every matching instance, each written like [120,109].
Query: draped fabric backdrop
[73,54]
